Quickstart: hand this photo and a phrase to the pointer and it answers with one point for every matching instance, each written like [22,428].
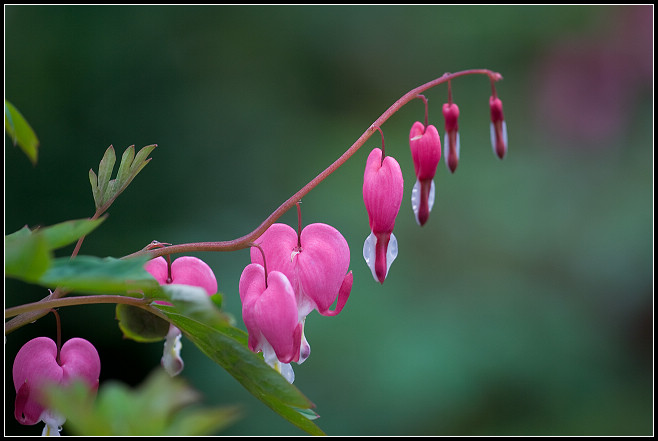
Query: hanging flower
[38,365]
[425,145]
[383,188]
[451,137]
[186,270]
[315,262]
[269,311]
[498,127]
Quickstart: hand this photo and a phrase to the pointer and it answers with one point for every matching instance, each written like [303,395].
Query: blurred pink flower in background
[587,86]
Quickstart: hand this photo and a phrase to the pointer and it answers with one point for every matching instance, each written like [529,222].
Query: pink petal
[189,270]
[425,145]
[158,269]
[383,188]
[34,364]
[80,360]
[322,264]
[270,313]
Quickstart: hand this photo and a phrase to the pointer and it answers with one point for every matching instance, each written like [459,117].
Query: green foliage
[106,190]
[161,406]
[90,274]
[227,346]
[28,253]
[20,132]
[140,325]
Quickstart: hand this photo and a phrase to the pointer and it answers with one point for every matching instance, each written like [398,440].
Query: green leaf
[90,274]
[20,132]
[106,190]
[65,233]
[140,325]
[126,162]
[160,406]
[227,346]
[104,173]
[194,303]
[27,255]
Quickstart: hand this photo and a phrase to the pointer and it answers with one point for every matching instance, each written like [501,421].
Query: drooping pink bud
[498,127]
[383,188]
[451,137]
[36,366]
[270,315]
[425,145]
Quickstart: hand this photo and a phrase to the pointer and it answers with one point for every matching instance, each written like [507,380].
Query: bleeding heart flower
[315,263]
[498,127]
[451,137]
[269,311]
[37,365]
[425,145]
[383,188]
[186,270]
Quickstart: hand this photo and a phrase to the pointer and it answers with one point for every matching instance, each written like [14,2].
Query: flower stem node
[39,364]
[383,188]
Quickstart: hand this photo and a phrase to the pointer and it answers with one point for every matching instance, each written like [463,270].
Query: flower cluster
[291,272]
[383,182]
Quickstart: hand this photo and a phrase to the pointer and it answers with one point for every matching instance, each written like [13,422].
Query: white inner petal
[369,253]
[171,361]
[415,199]
[430,198]
[392,250]
[505,134]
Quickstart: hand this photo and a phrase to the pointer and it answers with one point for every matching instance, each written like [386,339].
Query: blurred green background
[523,307]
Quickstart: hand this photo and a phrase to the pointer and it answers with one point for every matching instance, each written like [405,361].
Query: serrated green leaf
[90,274]
[227,346]
[160,406]
[67,232]
[126,162]
[94,188]
[140,325]
[106,190]
[20,132]
[140,158]
[105,172]
[27,255]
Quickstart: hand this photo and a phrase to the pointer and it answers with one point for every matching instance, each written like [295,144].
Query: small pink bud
[498,128]
[451,137]
[425,145]
[383,188]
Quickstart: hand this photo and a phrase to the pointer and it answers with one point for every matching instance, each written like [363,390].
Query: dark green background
[523,307]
